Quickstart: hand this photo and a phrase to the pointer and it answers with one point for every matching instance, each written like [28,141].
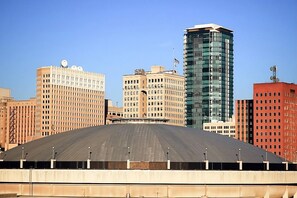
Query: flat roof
[209,26]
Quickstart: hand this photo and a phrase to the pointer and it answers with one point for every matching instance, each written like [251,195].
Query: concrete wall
[149,183]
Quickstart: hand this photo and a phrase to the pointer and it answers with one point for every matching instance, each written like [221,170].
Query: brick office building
[275,118]
[244,120]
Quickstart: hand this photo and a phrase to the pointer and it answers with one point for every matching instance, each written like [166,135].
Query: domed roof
[146,142]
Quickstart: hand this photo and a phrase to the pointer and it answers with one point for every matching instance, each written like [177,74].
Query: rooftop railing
[137,165]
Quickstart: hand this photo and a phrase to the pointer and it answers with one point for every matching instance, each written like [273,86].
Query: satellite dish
[74,67]
[64,63]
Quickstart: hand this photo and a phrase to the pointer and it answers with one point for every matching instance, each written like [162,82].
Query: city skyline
[116,37]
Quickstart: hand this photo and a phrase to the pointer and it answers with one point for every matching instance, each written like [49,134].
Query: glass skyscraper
[208,70]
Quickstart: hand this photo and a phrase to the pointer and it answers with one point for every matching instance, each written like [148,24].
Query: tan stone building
[20,120]
[17,120]
[4,98]
[158,93]
[68,98]
[220,127]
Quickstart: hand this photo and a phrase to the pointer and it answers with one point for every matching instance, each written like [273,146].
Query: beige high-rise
[68,98]
[158,93]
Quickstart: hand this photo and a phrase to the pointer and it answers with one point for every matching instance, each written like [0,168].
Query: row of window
[157,103]
[46,86]
[268,101]
[169,109]
[269,140]
[155,80]
[268,121]
[155,98]
[223,131]
[46,80]
[131,87]
[219,127]
[172,98]
[155,108]
[179,117]
[132,82]
[268,94]
[77,79]
[78,94]
[248,111]
[244,103]
[72,105]
[83,118]
[76,100]
[70,110]
[75,91]
[130,98]
[82,85]
[266,127]
[130,104]
[268,108]
[45,91]
[268,133]
[166,80]
[155,86]
[268,114]
[130,93]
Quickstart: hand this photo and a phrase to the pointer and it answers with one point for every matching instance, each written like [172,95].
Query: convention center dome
[140,142]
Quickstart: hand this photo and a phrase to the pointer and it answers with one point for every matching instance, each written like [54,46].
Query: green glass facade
[208,70]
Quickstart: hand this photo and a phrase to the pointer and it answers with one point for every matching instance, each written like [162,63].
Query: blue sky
[116,37]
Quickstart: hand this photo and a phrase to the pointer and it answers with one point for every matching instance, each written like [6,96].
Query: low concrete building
[148,183]
[220,127]
[112,111]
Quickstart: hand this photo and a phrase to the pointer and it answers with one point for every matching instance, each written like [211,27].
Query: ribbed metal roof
[146,142]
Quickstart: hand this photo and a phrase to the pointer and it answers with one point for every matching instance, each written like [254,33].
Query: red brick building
[275,118]
[244,120]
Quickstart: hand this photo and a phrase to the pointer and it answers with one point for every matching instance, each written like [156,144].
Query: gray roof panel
[147,142]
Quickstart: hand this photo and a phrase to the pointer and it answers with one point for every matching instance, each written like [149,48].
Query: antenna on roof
[274,77]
